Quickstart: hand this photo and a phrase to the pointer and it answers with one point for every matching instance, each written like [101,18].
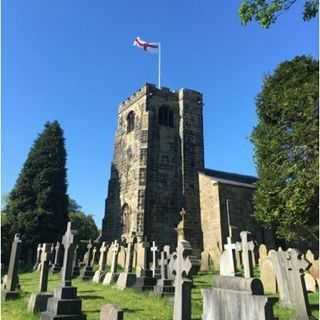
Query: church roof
[229,176]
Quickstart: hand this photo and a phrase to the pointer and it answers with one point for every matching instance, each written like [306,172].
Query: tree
[37,205]
[286,150]
[266,12]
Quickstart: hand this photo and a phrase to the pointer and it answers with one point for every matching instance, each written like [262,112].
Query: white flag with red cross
[145,45]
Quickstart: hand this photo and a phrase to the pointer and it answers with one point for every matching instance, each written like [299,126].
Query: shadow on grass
[93,297]
[127,310]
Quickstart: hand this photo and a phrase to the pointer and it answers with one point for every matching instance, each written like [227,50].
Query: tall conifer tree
[37,207]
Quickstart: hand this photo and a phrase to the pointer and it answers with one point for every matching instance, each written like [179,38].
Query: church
[158,170]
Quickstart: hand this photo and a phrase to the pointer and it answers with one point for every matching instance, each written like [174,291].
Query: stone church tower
[158,152]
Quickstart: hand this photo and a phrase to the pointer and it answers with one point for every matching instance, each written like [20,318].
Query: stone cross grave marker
[99,274]
[10,290]
[184,267]
[51,261]
[289,267]
[87,272]
[65,304]
[112,276]
[246,254]
[38,257]
[154,250]
[57,263]
[227,259]
[38,301]
[94,252]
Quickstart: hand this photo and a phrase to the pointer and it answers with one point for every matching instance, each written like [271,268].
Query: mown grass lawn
[137,306]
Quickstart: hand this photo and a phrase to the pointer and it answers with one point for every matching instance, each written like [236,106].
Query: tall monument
[158,152]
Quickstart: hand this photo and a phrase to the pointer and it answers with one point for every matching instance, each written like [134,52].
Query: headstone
[38,301]
[128,278]
[267,275]
[184,267]
[76,266]
[65,304]
[164,285]
[52,255]
[57,258]
[87,272]
[111,312]
[38,257]
[246,250]
[289,266]
[314,270]
[10,288]
[311,285]
[93,260]
[263,252]
[100,273]
[238,258]
[112,276]
[154,250]
[142,255]
[226,304]
[227,259]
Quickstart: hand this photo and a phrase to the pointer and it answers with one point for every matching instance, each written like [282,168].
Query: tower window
[130,121]
[165,116]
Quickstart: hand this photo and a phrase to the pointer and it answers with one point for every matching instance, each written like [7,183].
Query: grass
[137,306]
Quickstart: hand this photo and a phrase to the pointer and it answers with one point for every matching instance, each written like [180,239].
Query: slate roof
[240,178]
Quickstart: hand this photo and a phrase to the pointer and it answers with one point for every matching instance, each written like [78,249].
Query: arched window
[130,121]
[165,116]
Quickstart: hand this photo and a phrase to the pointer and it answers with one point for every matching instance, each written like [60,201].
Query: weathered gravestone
[314,267]
[164,285]
[112,276]
[93,260]
[57,258]
[289,266]
[128,278]
[38,257]
[267,275]
[51,259]
[111,312]
[227,259]
[263,252]
[246,254]
[38,301]
[238,298]
[11,285]
[100,273]
[184,267]
[311,285]
[144,280]
[75,266]
[65,305]
[87,272]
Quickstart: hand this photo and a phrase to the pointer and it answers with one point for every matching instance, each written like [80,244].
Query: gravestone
[263,252]
[11,285]
[267,275]
[154,250]
[311,285]
[51,260]
[93,260]
[128,278]
[238,258]
[112,276]
[100,273]
[246,252]
[227,259]
[111,312]
[184,267]
[164,285]
[87,272]
[76,266]
[57,258]
[314,265]
[65,304]
[38,257]
[289,266]
[144,280]
[142,256]
[38,301]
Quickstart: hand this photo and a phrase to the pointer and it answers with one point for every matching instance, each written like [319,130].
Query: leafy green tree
[37,207]
[266,12]
[286,150]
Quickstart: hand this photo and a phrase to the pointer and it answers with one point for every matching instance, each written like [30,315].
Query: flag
[146,46]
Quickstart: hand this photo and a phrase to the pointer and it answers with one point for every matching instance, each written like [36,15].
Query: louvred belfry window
[130,121]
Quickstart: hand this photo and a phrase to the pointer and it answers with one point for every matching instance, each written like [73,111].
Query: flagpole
[159,67]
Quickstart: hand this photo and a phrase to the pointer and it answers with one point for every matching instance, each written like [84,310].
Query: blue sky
[73,61]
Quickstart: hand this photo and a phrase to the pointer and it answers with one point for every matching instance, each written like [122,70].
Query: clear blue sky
[73,61]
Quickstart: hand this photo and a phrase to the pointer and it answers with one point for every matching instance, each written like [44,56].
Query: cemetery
[209,207]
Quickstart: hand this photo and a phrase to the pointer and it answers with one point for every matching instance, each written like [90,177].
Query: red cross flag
[146,46]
